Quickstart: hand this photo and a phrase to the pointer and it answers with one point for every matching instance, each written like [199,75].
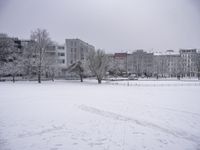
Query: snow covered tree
[98,64]
[28,62]
[114,68]
[77,68]
[42,41]
[6,48]
[50,65]
[9,57]
[14,66]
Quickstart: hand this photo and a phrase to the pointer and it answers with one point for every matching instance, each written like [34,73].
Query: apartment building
[61,55]
[189,57]
[120,60]
[76,50]
[167,64]
[12,42]
[140,63]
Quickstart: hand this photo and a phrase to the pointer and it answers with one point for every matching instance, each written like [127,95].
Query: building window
[61,47]
[61,61]
[61,54]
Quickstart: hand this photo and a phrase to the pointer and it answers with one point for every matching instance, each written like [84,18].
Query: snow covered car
[132,77]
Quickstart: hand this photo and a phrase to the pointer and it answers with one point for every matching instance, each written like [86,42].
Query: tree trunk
[46,75]
[39,78]
[39,67]
[81,77]
[39,75]
[157,77]
[99,81]
[52,78]
[13,79]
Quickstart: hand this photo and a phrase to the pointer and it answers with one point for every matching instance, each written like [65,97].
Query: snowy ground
[68,115]
[156,82]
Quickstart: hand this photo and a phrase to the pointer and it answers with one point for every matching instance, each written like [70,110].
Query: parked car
[132,77]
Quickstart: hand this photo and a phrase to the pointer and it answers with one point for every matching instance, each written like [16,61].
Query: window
[61,61]
[61,54]
[61,47]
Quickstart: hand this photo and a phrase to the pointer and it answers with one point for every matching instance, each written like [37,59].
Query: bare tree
[50,65]
[28,62]
[98,64]
[42,41]
[180,68]
[77,68]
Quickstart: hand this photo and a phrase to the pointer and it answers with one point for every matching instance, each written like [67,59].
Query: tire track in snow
[115,116]
[29,134]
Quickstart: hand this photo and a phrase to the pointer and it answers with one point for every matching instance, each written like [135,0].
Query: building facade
[61,55]
[76,50]
[167,64]
[120,62]
[189,57]
[140,63]
[13,43]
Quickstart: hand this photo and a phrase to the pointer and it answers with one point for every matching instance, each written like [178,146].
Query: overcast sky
[113,25]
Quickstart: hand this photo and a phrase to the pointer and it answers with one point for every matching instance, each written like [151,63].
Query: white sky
[113,25]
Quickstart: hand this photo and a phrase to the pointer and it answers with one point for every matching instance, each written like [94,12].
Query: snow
[154,82]
[77,116]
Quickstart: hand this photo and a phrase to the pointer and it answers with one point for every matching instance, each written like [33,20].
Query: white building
[76,50]
[189,57]
[167,64]
[61,55]
[140,63]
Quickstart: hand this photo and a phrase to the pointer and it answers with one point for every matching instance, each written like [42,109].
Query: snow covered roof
[168,52]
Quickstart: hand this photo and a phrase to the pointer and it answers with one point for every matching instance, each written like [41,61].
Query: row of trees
[31,60]
[8,57]
[36,59]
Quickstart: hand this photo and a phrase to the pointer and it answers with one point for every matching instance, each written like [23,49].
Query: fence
[154,85]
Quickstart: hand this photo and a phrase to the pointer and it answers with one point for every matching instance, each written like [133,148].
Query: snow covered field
[68,115]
